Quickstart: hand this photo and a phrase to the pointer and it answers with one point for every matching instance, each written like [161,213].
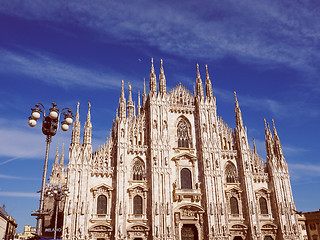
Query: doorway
[189,232]
[237,238]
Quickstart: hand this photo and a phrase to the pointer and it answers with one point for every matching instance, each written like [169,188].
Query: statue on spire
[153,80]
[162,81]
[199,85]
[209,94]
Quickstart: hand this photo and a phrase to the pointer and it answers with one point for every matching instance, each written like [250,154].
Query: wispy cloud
[48,68]
[19,194]
[298,171]
[261,104]
[4,176]
[280,32]
[18,141]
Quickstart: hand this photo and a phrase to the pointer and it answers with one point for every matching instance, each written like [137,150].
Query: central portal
[189,232]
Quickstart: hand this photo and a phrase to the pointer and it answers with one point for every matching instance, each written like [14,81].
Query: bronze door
[189,232]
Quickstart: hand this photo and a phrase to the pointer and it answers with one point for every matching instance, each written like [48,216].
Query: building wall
[313,224]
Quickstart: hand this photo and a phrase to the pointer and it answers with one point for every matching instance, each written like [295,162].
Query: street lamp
[58,193]
[50,125]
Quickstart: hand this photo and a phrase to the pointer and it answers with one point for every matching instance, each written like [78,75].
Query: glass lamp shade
[64,127]
[68,120]
[35,115]
[53,115]
[32,123]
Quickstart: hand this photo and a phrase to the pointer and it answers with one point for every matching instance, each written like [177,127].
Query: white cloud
[51,70]
[271,32]
[298,171]
[4,176]
[19,194]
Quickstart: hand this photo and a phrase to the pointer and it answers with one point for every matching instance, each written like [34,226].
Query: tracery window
[137,205]
[138,171]
[230,173]
[263,205]
[234,206]
[183,133]
[186,179]
[102,205]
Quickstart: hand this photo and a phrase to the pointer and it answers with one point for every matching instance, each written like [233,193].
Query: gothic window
[263,205]
[183,133]
[234,206]
[230,173]
[102,205]
[138,171]
[186,180]
[137,205]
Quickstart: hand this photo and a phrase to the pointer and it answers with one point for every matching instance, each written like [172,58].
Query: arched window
[234,206]
[102,205]
[263,205]
[137,205]
[186,179]
[183,133]
[231,173]
[138,170]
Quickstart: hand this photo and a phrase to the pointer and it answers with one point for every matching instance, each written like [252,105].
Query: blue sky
[70,51]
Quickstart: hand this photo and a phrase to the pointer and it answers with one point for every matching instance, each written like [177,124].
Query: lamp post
[50,125]
[58,193]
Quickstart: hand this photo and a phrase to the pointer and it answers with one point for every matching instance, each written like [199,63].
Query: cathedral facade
[173,169]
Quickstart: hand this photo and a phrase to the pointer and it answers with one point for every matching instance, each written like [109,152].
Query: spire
[194,90]
[122,103]
[130,106]
[138,106]
[75,138]
[268,140]
[239,120]
[62,155]
[88,128]
[275,134]
[278,147]
[199,84]
[254,146]
[144,94]
[153,80]
[56,159]
[162,81]
[209,94]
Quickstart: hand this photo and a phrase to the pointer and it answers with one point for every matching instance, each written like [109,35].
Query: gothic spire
[199,84]
[153,80]
[62,155]
[138,106]
[278,147]
[130,106]
[162,80]
[268,140]
[254,146]
[56,159]
[239,120]
[144,94]
[75,138]
[88,128]
[209,94]
[194,90]
[122,103]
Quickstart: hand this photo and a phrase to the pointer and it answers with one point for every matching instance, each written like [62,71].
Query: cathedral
[172,169]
